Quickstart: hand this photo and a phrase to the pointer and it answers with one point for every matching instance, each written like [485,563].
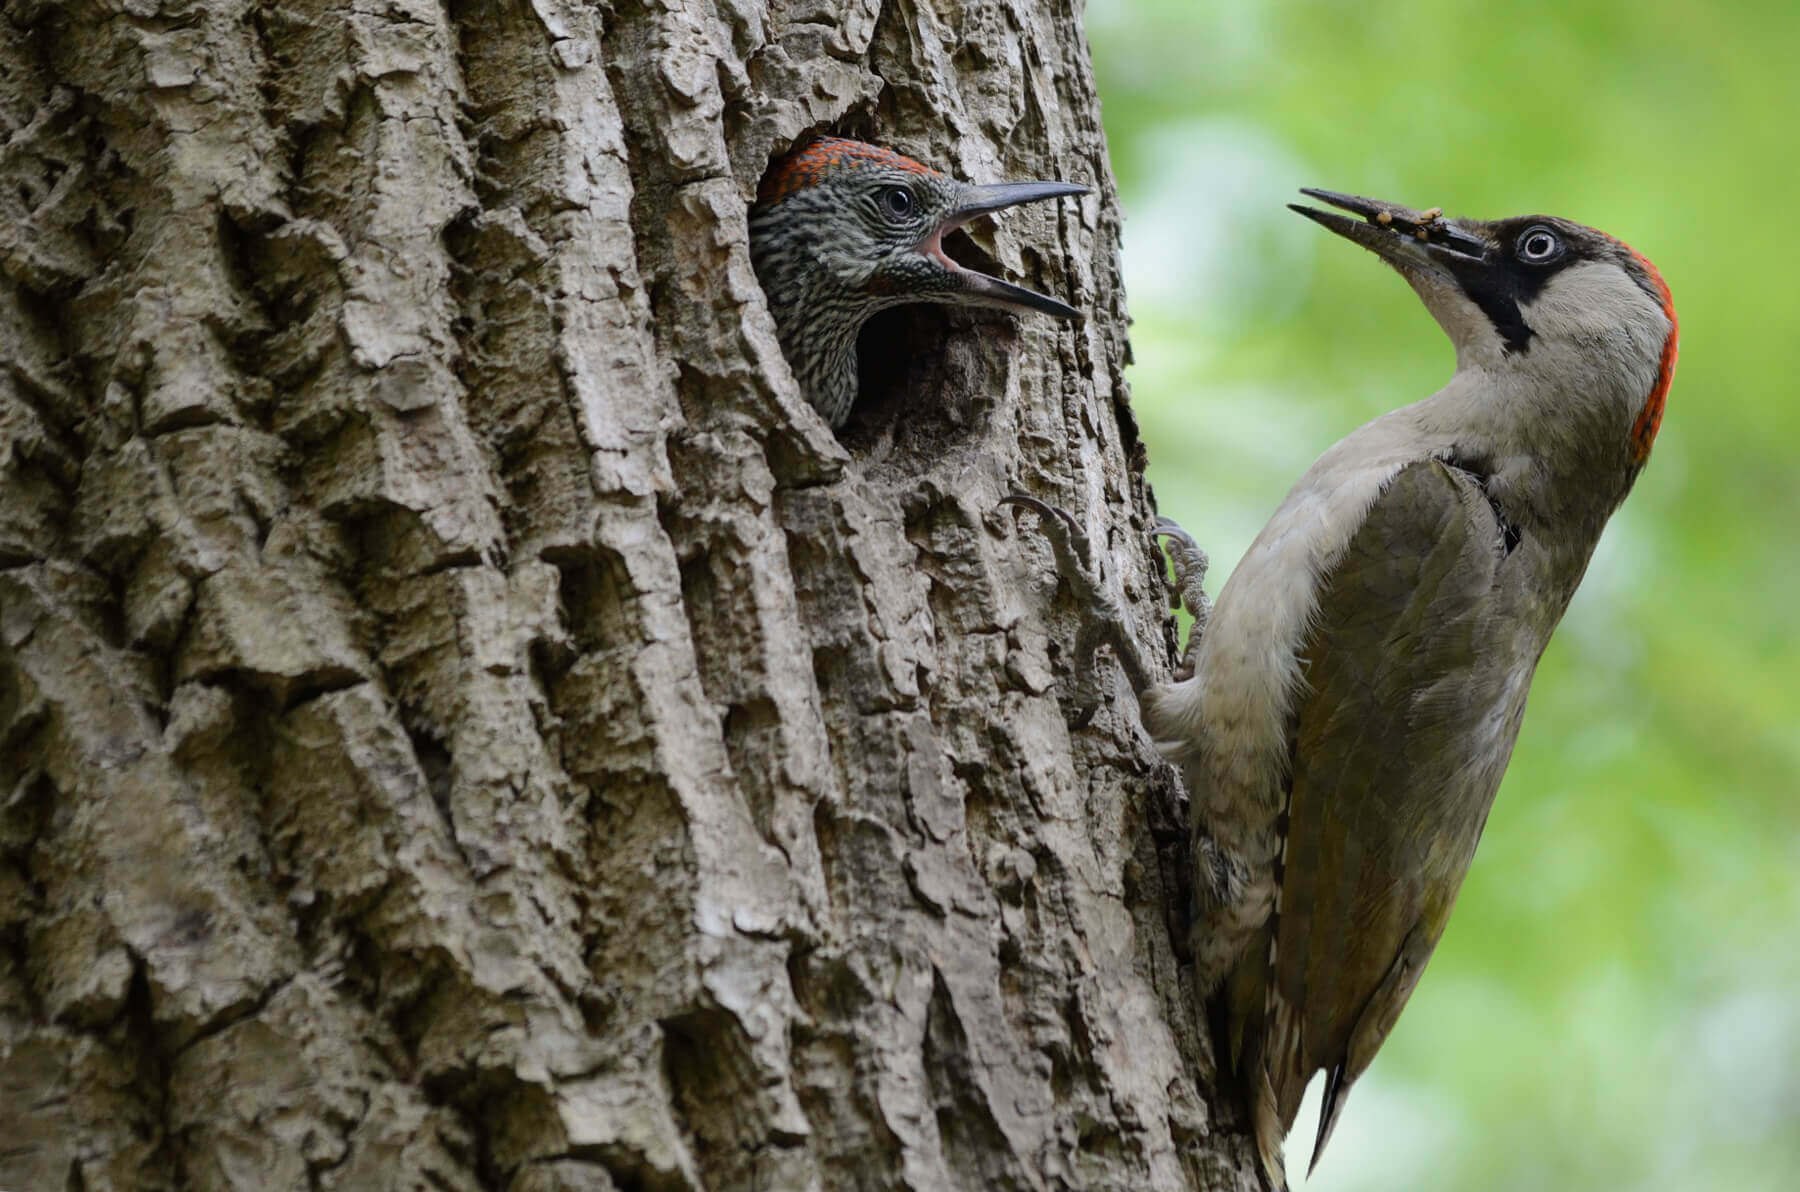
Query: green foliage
[1617,1001]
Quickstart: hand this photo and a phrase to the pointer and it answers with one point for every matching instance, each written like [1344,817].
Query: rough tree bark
[465,722]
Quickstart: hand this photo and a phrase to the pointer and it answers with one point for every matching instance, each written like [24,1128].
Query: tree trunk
[465,722]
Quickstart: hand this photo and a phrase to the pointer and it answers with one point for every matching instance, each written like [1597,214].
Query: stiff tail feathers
[1335,1088]
[1270,1131]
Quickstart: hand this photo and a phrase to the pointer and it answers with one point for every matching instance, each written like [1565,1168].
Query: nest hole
[925,364]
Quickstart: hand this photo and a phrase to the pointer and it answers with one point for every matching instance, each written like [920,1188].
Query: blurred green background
[1617,1001]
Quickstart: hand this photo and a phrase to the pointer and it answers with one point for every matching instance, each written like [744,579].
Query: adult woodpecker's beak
[978,289]
[1411,241]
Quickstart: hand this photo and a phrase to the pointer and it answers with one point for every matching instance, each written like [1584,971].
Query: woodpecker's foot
[1190,564]
[1103,619]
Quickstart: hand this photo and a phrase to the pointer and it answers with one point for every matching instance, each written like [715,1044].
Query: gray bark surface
[464,721]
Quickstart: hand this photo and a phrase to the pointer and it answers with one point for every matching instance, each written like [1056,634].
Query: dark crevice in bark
[143,1040]
[975,1146]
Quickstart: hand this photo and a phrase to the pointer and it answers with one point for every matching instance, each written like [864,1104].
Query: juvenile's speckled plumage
[843,229]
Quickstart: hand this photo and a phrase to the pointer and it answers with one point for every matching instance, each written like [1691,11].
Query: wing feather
[1389,788]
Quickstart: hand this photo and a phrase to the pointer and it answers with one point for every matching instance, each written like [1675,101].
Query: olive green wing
[1399,738]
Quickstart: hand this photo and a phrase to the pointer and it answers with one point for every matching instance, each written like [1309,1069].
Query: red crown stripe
[810,165]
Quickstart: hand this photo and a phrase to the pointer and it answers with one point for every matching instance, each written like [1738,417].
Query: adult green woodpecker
[1358,687]
[842,229]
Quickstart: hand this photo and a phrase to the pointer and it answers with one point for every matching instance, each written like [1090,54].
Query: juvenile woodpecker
[1357,690]
[843,229]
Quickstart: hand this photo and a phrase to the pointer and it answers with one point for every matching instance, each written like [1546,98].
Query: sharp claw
[1027,501]
[1190,564]
[1041,508]
[1163,527]
[1103,621]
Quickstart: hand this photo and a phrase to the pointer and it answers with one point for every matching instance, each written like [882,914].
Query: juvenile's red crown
[817,160]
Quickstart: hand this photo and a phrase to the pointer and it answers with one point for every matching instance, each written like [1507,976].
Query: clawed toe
[1073,554]
[1043,509]
[1164,527]
[1190,564]
[1102,620]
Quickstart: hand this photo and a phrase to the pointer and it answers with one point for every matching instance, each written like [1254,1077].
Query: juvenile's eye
[1539,246]
[897,201]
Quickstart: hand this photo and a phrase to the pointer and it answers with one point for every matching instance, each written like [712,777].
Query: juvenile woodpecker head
[1576,329]
[842,229]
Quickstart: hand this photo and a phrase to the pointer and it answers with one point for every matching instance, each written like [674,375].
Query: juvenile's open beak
[1406,239]
[978,289]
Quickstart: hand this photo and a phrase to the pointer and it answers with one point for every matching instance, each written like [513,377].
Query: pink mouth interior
[933,246]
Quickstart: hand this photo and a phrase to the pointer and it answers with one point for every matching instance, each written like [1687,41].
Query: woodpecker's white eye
[1539,246]
[897,201]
